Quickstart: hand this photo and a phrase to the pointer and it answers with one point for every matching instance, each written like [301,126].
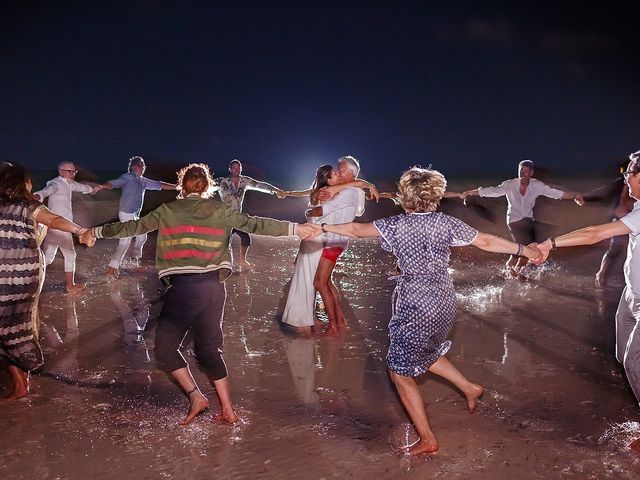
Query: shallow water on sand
[556,404]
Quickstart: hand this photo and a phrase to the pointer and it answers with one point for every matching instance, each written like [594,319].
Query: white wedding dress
[301,301]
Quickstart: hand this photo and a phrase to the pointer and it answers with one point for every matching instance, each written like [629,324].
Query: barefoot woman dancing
[424,301]
[193,257]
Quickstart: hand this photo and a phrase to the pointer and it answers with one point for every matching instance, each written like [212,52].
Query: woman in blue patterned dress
[424,301]
[22,273]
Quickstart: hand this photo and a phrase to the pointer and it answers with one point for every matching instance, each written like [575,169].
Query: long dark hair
[13,184]
[322,180]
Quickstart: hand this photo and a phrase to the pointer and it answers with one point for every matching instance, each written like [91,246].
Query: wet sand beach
[556,402]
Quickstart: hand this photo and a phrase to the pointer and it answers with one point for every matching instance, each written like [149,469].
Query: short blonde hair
[420,189]
[195,178]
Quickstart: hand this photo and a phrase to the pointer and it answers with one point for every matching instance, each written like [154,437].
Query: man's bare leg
[20,380]
[512,265]
[243,257]
[321,284]
[72,286]
[472,391]
[199,402]
[413,403]
[228,414]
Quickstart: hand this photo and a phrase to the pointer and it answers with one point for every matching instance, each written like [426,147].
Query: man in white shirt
[343,208]
[628,313]
[59,190]
[521,194]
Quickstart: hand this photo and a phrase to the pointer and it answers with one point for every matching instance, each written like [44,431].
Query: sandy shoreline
[556,405]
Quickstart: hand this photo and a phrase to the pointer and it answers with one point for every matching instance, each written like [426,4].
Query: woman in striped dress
[22,273]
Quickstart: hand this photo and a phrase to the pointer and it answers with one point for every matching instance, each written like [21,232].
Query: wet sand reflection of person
[424,301]
[193,257]
[22,273]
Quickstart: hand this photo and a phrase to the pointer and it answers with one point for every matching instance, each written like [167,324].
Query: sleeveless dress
[21,276]
[424,301]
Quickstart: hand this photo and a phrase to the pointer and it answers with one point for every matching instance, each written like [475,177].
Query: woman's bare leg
[199,402]
[445,369]
[321,284]
[20,380]
[228,413]
[413,403]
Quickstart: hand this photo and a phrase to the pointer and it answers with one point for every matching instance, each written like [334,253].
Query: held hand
[96,189]
[579,200]
[86,237]
[534,255]
[308,230]
[280,193]
[544,248]
[373,191]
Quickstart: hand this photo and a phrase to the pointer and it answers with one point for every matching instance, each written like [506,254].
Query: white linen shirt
[520,206]
[343,208]
[59,191]
[632,263]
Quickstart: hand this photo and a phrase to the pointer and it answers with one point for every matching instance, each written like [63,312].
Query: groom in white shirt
[521,194]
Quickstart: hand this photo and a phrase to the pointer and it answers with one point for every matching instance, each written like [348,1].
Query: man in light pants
[59,190]
[133,185]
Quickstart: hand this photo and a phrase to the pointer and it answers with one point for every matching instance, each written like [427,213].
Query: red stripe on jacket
[192,229]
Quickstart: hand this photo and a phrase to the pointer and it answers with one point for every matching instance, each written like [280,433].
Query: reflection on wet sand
[557,403]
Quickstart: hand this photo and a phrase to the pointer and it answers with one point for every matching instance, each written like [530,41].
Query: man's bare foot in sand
[472,397]
[429,445]
[199,404]
[20,391]
[228,416]
[76,288]
[331,330]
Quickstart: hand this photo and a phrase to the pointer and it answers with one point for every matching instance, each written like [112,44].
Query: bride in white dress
[301,302]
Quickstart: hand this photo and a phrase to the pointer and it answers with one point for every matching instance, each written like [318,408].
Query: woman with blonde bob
[424,301]
[194,260]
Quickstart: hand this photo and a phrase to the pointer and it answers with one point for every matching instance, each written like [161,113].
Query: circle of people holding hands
[193,259]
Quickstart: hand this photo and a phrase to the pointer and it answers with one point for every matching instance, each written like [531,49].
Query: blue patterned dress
[424,302]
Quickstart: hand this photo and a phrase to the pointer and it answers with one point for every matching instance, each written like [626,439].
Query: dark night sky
[286,87]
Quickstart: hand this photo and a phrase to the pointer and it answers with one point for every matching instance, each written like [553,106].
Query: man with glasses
[133,185]
[521,193]
[628,313]
[59,191]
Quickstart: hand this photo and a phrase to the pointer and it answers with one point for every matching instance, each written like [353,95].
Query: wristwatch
[322,225]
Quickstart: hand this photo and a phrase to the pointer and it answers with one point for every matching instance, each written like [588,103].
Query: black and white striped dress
[21,275]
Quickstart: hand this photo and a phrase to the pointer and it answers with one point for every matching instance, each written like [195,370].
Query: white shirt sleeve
[498,191]
[81,187]
[632,220]
[50,189]
[344,199]
[547,191]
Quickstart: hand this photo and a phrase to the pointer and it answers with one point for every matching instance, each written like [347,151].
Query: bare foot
[76,287]
[245,265]
[199,404]
[20,392]
[472,397]
[305,331]
[20,380]
[331,330]
[422,446]
[228,416]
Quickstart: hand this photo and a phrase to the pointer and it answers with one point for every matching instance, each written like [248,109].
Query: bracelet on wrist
[519,250]
[553,243]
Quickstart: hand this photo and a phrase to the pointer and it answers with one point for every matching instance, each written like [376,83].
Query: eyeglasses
[70,171]
[627,174]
